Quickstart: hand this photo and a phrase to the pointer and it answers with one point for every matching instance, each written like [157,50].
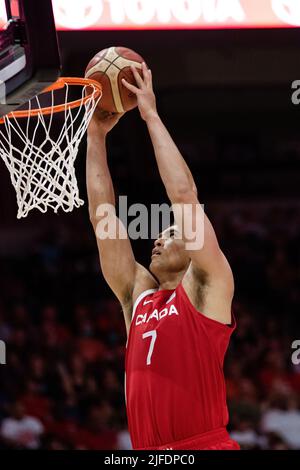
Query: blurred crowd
[63,384]
[262,370]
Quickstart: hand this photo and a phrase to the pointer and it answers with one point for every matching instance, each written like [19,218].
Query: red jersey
[175,387]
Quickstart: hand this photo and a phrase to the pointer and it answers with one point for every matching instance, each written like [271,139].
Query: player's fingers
[150,83]
[146,74]
[150,75]
[138,78]
[130,87]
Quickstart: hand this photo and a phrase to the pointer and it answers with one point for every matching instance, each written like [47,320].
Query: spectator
[21,431]
[283,418]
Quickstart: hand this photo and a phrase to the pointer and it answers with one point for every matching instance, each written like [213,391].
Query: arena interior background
[226,98]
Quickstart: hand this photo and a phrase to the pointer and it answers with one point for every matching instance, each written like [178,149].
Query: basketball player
[177,313]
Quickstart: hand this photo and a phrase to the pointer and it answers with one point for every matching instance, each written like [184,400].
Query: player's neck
[170,281]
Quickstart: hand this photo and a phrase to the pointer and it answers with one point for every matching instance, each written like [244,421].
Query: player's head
[169,254]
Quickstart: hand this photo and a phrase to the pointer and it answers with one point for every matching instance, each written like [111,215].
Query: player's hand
[143,91]
[103,121]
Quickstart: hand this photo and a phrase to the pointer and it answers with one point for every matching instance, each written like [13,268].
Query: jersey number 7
[153,336]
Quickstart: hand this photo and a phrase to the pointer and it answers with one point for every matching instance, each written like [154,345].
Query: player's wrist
[151,116]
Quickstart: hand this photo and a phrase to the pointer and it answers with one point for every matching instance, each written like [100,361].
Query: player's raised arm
[116,256]
[208,260]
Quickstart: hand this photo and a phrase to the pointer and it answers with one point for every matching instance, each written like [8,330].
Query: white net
[40,150]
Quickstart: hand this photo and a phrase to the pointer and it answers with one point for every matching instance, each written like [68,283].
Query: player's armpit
[210,294]
[143,282]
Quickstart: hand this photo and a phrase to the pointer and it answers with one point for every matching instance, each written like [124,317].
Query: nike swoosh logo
[147,302]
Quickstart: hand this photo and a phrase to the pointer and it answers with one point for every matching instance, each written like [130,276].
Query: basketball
[108,67]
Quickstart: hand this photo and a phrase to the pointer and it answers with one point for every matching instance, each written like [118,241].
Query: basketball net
[41,161]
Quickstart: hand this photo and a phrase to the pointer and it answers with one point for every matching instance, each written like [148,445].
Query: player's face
[169,252]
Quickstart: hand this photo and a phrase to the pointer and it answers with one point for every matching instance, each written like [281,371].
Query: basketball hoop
[40,149]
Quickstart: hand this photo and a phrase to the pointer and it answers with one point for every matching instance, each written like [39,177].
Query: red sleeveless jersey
[175,386]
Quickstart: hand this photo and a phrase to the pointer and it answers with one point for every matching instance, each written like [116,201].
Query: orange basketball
[108,67]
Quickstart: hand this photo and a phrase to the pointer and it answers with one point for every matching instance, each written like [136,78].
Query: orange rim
[58,85]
